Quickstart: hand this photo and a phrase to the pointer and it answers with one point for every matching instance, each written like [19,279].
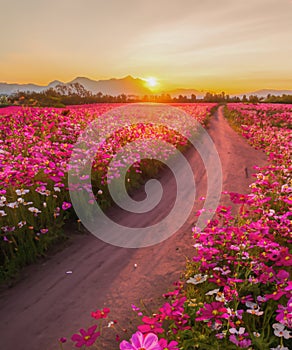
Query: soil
[55,297]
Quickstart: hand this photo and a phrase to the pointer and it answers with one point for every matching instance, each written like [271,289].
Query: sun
[151,82]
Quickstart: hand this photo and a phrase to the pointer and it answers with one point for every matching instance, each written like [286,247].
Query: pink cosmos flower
[86,338]
[240,341]
[174,309]
[138,342]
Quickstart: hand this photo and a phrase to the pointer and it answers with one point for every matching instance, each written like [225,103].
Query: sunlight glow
[151,82]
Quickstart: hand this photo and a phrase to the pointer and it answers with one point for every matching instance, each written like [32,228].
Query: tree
[244,98]
[253,99]
[193,98]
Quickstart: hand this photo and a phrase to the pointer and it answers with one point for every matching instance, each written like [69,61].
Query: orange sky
[228,45]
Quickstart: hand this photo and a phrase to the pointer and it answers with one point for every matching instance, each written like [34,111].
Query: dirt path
[48,303]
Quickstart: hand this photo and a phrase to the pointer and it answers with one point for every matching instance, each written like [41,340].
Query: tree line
[76,94]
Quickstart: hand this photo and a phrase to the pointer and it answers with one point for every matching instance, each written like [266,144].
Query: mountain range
[127,85]
[114,87]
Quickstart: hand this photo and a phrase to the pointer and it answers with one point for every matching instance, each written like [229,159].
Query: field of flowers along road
[35,148]
[237,291]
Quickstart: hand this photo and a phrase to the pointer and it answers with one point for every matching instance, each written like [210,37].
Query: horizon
[208,46]
[155,90]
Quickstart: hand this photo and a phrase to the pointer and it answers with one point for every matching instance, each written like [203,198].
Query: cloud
[178,39]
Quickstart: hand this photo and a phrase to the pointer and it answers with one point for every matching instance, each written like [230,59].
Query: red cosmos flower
[237,198]
[86,338]
[150,325]
[100,313]
[215,310]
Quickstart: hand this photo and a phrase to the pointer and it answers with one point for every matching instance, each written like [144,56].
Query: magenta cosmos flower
[138,342]
[86,338]
[66,205]
[173,345]
[215,310]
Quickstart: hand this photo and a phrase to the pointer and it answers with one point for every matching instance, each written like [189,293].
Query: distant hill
[8,89]
[114,87]
[266,92]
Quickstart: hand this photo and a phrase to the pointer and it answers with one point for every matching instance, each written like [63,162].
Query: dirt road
[48,303]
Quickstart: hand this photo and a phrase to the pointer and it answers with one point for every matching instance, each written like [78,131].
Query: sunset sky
[229,45]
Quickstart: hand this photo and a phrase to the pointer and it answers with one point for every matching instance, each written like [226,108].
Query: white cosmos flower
[251,305]
[214,291]
[197,279]
[220,297]
[256,312]
[198,245]
[285,188]
[12,205]
[21,224]
[224,271]
[278,326]
[21,192]
[45,193]
[282,333]
[2,213]
[34,210]
[235,331]
[2,201]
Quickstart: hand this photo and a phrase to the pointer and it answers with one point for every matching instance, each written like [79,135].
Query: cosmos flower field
[237,289]
[35,148]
